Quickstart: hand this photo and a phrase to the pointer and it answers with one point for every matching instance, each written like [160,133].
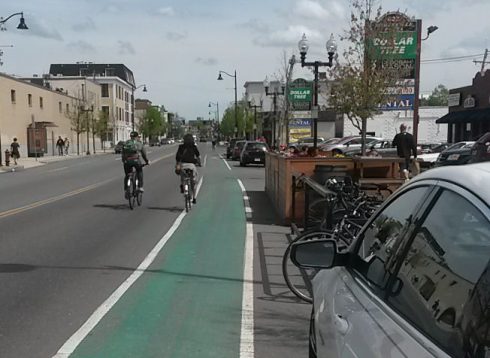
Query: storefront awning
[465,116]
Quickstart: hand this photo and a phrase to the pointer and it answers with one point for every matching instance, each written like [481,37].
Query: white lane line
[205,158]
[247,327]
[74,341]
[224,160]
[57,170]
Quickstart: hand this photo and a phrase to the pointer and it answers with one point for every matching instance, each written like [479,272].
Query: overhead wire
[451,59]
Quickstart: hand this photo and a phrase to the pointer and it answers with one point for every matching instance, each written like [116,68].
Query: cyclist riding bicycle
[188,157]
[131,158]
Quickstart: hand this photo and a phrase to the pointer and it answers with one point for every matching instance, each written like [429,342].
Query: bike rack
[309,186]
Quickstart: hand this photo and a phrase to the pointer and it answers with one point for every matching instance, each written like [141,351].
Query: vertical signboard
[300,94]
[300,126]
[395,49]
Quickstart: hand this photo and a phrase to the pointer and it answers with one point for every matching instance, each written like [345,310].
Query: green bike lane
[189,301]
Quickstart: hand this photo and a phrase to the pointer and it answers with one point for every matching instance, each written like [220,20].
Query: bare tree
[77,119]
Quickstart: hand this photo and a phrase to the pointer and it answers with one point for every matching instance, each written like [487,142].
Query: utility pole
[485,55]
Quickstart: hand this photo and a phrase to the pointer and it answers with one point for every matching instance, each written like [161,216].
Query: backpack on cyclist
[130,149]
[188,155]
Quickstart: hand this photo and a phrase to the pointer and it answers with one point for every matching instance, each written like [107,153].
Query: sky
[177,47]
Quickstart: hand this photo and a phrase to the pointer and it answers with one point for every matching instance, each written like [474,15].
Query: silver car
[416,280]
[351,142]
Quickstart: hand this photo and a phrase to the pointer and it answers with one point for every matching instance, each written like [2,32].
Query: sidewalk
[31,162]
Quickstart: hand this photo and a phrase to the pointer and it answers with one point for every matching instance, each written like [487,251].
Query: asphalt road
[68,240]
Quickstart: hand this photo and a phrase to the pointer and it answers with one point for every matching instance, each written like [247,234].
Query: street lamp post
[416,102]
[91,109]
[255,117]
[303,49]
[276,92]
[220,78]
[22,26]
[132,97]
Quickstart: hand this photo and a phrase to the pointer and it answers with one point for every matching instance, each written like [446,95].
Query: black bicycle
[348,211]
[188,188]
[133,194]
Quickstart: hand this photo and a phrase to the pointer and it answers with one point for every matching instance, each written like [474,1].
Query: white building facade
[387,124]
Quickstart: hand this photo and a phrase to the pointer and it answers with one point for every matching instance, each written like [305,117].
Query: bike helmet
[134,134]
[188,138]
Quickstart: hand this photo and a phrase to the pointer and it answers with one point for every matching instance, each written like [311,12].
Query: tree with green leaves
[101,126]
[438,97]
[361,82]
[78,119]
[151,125]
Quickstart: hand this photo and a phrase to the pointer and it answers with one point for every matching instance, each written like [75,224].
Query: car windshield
[256,146]
[331,141]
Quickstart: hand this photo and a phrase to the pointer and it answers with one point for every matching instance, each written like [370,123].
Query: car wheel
[336,151]
[312,337]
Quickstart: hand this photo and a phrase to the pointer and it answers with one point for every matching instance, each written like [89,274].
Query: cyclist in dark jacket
[188,157]
[132,152]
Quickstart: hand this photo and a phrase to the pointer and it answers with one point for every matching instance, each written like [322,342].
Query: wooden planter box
[279,172]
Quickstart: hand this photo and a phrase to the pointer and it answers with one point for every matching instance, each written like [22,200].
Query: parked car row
[247,152]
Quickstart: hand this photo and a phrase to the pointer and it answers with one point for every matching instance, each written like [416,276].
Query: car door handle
[341,324]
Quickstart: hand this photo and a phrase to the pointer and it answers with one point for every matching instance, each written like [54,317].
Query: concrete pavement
[31,162]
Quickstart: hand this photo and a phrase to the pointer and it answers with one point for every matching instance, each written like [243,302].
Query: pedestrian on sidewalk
[405,147]
[14,149]
[60,145]
[67,145]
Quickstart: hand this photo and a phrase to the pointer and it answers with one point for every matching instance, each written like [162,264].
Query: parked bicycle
[133,194]
[342,217]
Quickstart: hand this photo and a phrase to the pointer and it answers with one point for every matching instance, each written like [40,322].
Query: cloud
[287,38]
[166,11]
[255,25]
[310,9]
[40,29]
[86,25]
[338,9]
[81,46]
[176,36]
[210,61]
[430,7]
[468,46]
[125,48]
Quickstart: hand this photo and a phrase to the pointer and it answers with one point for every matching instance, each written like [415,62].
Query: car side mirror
[320,254]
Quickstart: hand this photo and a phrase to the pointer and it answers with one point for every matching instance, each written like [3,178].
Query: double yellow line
[51,200]
[37,204]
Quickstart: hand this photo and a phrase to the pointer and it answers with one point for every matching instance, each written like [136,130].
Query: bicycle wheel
[187,199]
[132,192]
[316,215]
[299,280]
[187,196]
[139,197]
